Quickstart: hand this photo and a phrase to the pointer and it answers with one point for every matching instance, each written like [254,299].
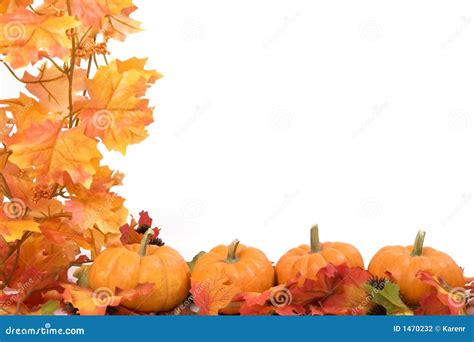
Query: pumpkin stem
[418,245]
[144,242]
[232,251]
[315,246]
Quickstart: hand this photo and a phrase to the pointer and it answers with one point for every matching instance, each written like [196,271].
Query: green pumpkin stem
[145,241]
[232,252]
[418,245]
[315,245]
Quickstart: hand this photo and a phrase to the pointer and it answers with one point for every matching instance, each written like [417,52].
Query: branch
[28,82]
[72,65]
[56,65]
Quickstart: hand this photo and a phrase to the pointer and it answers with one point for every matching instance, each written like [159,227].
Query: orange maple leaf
[12,230]
[25,36]
[8,6]
[102,209]
[96,302]
[53,152]
[213,294]
[117,113]
[26,110]
[51,94]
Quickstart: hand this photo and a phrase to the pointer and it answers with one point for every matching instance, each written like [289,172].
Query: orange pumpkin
[245,268]
[403,264]
[307,260]
[127,266]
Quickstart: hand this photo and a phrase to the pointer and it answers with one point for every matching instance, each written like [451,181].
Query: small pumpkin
[127,266]
[307,260]
[246,268]
[403,264]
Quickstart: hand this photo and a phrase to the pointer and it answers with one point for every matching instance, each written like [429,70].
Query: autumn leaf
[51,93]
[95,12]
[104,210]
[335,290]
[90,302]
[26,36]
[454,299]
[26,110]
[13,229]
[276,300]
[54,152]
[59,230]
[129,234]
[116,113]
[389,298]
[8,6]
[118,26]
[213,294]
[43,262]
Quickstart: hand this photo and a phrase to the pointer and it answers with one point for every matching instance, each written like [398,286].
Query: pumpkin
[246,268]
[127,266]
[307,260]
[402,264]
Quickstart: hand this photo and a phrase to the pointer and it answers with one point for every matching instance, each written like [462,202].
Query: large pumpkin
[126,267]
[246,268]
[404,263]
[307,260]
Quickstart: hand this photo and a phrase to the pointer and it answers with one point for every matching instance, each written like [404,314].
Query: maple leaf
[276,300]
[26,36]
[94,12]
[26,110]
[53,152]
[13,229]
[59,230]
[118,26]
[454,299]
[336,290]
[8,6]
[116,112]
[213,294]
[51,94]
[348,296]
[145,219]
[102,209]
[90,302]
[43,262]
[129,234]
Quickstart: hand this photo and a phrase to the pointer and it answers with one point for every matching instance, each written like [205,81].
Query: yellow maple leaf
[25,110]
[25,36]
[12,230]
[53,152]
[117,113]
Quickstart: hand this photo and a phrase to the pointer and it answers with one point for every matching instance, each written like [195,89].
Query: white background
[274,115]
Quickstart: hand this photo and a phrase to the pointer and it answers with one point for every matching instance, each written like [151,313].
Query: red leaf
[145,219]
[454,299]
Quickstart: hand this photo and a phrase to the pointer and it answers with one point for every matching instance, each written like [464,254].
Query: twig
[28,82]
